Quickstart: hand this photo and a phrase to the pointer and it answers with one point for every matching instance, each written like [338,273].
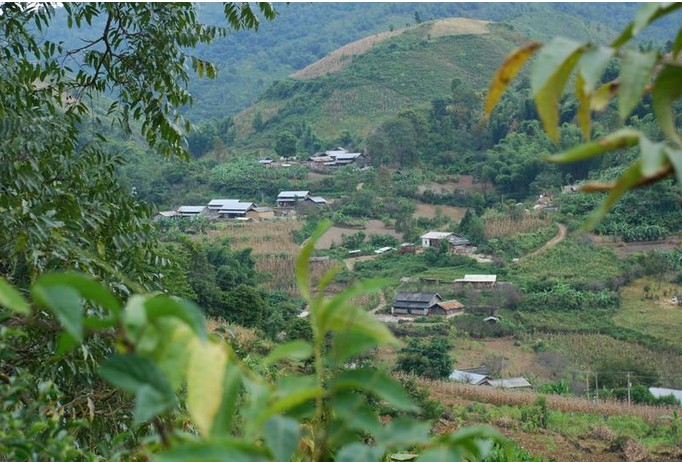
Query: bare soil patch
[342,57]
[466,184]
[432,211]
[627,248]
[335,233]
[459,26]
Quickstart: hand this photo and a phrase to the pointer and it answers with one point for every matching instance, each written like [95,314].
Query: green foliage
[431,360]
[248,178]
[166,349]
[286,144]
[556,61]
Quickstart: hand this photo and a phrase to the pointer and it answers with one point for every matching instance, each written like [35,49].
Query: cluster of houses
[235,209]
[480,376]
[322,161]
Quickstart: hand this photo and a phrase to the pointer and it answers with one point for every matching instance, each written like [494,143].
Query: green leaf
[635,71]
[377,383]
[87,287]
[583,107]
[65,344]
[138,375]
[327,310]
[303,260]
[675,158]
[551,71]
[653,156]
[628,179]
[173,349]
[506,73]
[11,299]
[281,437]
[354,321]
[292,392]
[666,90]
[592,64]
[648,13]
[404,432]
[620,139]
[216,450]
[351,342]
[188,312]
[677,45]
[205,377]
[476,440]
[66,303]
[232,382]
[358,452]
[353,410]
[297,350]
[440,454]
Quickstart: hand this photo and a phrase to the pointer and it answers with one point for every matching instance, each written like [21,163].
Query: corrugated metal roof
[467,377]
[514,382]
[234,207]
[318,199]
[263,209]
[347,156]
[416,296]
[450,305]
[436,235]
[191,208]
[661,392]
[478,278]
[292,194]
[168,213]
[220,203]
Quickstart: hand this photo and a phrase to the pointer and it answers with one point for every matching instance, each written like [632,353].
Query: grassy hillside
[399,71]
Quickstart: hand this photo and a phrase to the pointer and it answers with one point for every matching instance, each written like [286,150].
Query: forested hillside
[370,236]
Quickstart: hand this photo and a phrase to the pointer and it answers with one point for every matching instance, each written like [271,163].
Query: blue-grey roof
[220,203]
[292,194]
[191,209]
[660,392]
[237,207]
[467,377]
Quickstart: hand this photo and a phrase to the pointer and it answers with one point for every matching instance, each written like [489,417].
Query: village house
[471,378]
[336,158]
[191,210]
[434,238]
[424,304]
[512,382]
[267,162]
[291,198]
[236,209]
[476,280]
[166,214]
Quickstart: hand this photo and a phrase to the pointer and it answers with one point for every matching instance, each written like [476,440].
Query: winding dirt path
[560,236]
[380,305]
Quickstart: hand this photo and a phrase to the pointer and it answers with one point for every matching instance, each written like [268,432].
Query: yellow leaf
[583,106]
[506,73]
[205,375]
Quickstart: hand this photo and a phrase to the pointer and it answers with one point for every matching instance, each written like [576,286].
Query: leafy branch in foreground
[641,73]
[168,361]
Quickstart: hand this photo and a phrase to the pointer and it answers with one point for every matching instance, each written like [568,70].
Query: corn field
[265,237]
[451,392]
[503,226]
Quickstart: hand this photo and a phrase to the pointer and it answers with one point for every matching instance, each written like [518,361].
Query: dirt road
[560,236]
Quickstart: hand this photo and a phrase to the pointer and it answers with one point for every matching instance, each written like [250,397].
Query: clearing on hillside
[464,184]
[647,306]
[342,57]
[458,26]
[432,211]
[334,235]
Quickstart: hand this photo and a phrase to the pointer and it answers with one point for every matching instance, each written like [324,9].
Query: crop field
[334,235]
[503,226]
[647,307]
[433,211]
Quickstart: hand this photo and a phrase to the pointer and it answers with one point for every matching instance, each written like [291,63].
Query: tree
[560,57]
[431,360]
[286,144]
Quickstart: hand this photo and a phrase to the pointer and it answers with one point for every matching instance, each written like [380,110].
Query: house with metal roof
[316,200]
[469,377]
[191,210]
[414,302]
[447,308]
[512,382]
[291,198]
[166,214]
[236,209]
[663,392]
[476,280]
[217,204]
[434,238]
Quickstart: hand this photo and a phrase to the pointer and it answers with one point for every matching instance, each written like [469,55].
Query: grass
[654,315]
